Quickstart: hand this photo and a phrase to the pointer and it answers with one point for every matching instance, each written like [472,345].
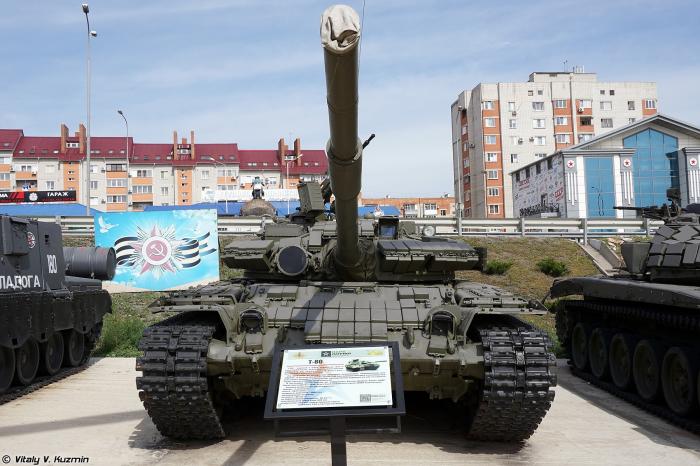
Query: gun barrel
[87,262]
[340,37]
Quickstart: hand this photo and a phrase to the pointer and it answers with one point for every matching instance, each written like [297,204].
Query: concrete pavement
[97,415]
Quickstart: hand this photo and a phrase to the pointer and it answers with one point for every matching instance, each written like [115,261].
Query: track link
[520,370]
[671,321]
[174,388]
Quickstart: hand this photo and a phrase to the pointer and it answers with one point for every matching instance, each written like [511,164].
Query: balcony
[25,175]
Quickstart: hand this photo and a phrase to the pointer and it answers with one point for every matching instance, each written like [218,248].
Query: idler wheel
[27,361]
[646,367]
[678,380]
[598,344]
[621,360]
[52,354]
[579,346]
[7,367]
[75,348]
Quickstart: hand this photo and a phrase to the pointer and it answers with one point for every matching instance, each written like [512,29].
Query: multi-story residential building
[497,128]
[179,173]
[443,206]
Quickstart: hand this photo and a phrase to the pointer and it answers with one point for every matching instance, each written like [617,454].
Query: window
[606,123]
[549,164]
[538,123]
[490,139]
[225,187]
[602,92]
[493,208]
[164,190]
[649,103]
[515,140]
[72,145]
[490,122]
[540,92]
[586,121]
[538,106]
[93,185]
[51,168]
[529,93]
[464,147]
[116,167]
[144,173]
[492,157]
[560,103]
[464,130]
[492,192]
[517,176]
[430,206]
[8,160]
[71,172]
[513,158]
[538,168]
[656,165]
[487,104]
[163,174]
[94,168]
[205,174]
[492,174]
[586,103]
[116,199]
[94,200]
[540,155]
[513,123]
[116,183]
[6,177]
[465,162]
[630,105]
[561,121]
[540,140]
[143,189]
[562,138]
[228,172]
[584,137]
[631,120]
[511,106]
[527,173]
[605,105]
[611,92]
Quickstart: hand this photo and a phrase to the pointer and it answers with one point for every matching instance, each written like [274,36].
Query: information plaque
[335,377]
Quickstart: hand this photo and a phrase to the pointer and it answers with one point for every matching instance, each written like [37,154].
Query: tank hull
[490,361]
[639,340]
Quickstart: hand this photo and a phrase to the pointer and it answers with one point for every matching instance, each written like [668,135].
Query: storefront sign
[37,196]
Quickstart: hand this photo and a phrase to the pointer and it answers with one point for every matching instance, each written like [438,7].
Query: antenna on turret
[368,140]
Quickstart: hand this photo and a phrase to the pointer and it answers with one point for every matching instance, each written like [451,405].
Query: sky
[251,71]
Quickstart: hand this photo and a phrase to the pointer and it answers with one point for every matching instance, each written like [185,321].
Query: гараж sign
[37,196]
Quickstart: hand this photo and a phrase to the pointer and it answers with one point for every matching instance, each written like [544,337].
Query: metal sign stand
[337,417]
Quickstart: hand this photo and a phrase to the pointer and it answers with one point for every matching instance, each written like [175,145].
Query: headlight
[428,230]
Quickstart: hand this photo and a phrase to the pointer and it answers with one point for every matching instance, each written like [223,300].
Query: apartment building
[411,207]
[181,172]
[498,128]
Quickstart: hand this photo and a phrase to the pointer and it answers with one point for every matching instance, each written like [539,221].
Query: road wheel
[27,361]
[7,367]
[598,344]
[579,346]
[621,360]
[646,367]
[52,354]
[75,348]
[678,381]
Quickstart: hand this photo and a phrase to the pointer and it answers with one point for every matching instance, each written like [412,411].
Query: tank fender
[566,287]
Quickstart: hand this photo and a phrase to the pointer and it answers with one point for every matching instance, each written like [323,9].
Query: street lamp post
[207,157]
[90,34]
[287,179]
[128,173]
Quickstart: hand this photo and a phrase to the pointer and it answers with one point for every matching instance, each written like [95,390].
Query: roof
[9,138]
[45,210]
[657,119]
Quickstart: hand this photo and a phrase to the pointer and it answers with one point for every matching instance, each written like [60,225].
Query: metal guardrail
[581,229]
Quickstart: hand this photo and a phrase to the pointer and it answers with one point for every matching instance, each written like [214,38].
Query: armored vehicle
[51,301]
[637,333]
[356,366]
[316,281]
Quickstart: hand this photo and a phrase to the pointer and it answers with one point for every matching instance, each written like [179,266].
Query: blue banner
[159,251]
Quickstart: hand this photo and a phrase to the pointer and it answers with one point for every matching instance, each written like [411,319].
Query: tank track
[671,321]
[520,369]
[174,388]
[39,382]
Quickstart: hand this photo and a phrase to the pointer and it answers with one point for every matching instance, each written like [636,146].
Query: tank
[320,278]
[637,333]
[51,302]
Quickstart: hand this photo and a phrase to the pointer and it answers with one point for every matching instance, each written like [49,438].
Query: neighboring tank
[637,333]
[51,301]
[311,280]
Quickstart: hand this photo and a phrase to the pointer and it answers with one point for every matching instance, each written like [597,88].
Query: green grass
[552,267]
[497,267]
